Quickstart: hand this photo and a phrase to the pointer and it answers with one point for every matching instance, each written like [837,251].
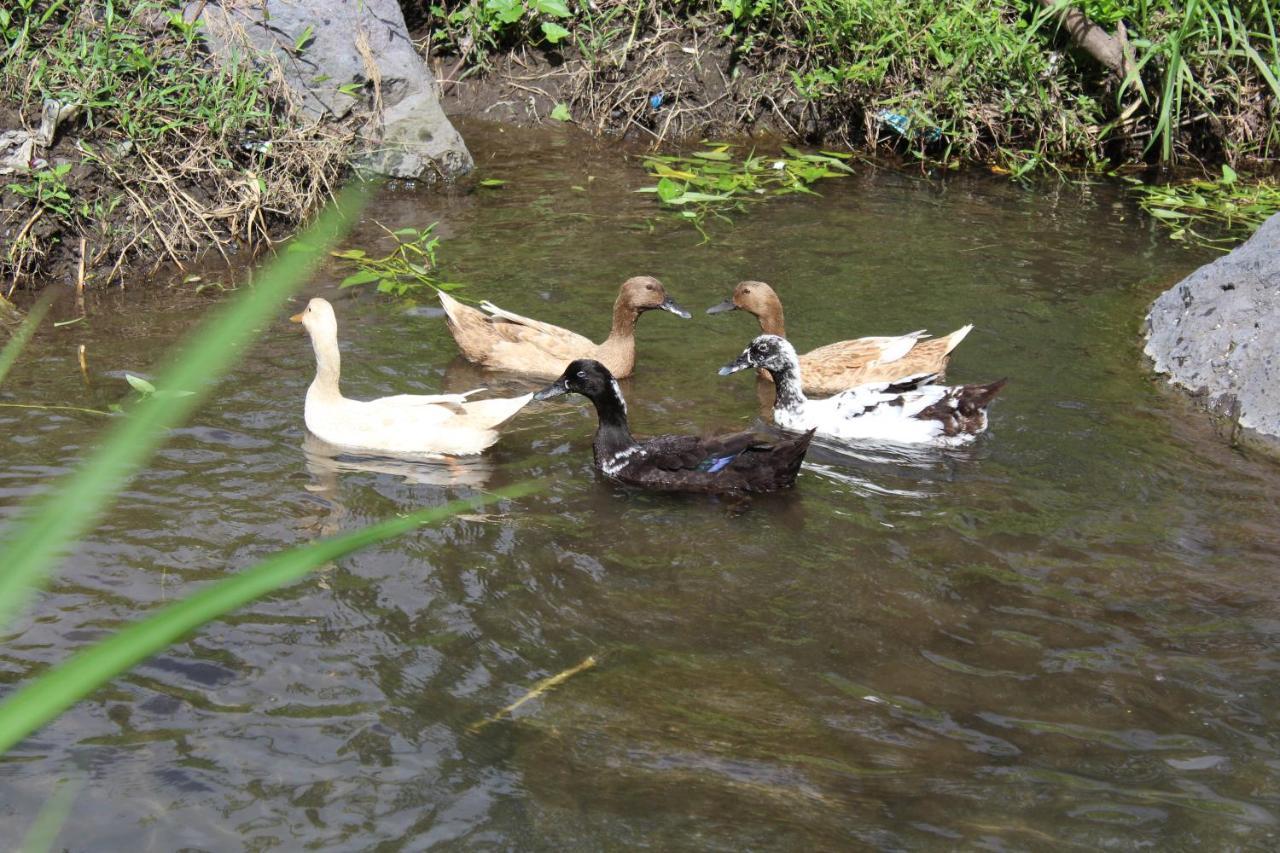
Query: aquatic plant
[1215,213]
[44,528]
[406,270]
[712,182]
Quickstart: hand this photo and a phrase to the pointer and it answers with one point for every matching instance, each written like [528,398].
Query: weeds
[975,80]
[168,154]
[711,182]
[406,270]
[1215,213]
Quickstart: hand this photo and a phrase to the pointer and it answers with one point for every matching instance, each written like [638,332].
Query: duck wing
[427,399]
[862,351]
[706,455]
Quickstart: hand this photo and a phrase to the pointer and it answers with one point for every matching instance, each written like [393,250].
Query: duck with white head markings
[740,462]
[908,411]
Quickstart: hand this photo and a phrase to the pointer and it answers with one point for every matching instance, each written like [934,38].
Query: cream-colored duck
[404,424]
[845,364]
[504,341]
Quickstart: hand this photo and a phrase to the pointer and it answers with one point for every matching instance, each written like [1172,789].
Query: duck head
[644,293]
[754,297]
[317,318]
[587,377]
[770,352]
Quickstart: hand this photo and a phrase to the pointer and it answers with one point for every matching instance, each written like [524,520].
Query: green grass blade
[49,822]
[65,684]
[50,522]
[14,347]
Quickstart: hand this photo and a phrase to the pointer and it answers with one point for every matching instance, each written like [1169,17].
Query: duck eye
[582,374]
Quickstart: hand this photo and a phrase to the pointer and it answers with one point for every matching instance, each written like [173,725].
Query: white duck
[908,411]
[406,423]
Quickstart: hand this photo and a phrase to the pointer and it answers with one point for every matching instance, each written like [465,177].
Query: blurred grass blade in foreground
[62,686]
[14,346]
[48,523]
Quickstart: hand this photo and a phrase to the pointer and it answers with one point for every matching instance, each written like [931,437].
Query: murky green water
[1061,637]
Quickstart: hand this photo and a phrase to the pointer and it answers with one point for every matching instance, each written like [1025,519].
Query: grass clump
[1217,212]
[944,81]
[161,152]
[712,182]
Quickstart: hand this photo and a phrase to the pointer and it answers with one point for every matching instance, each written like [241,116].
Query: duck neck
[613,433]
[328,366]
[624,322]
[790,396]
[772,321]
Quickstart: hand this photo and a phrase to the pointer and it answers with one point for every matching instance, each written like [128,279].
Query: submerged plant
[406,270]
[1215,213]
[712,182]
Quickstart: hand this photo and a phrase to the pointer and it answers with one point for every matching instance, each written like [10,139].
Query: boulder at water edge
[1217,334]
[338,56]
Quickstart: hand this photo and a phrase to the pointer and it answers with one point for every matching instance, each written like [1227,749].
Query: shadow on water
[1061,636]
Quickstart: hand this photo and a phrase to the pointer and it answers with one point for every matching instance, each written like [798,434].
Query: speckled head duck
[740,462]
[912,410]
[832,368]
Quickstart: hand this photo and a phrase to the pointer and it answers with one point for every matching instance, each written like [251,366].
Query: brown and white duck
[501,340]
[725,464]
[833,368]
[909,411]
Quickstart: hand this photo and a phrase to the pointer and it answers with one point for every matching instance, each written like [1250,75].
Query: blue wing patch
[716,463]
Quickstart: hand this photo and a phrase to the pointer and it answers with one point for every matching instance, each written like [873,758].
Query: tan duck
[846,364]
[501,340]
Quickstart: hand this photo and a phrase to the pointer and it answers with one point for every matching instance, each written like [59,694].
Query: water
[1062,636]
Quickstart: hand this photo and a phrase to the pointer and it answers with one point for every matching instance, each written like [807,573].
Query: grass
[165,152]
[976,80]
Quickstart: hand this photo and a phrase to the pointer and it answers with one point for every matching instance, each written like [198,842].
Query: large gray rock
[324,46]
[1217,333]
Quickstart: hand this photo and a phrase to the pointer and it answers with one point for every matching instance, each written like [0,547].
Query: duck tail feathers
[954,339]
[485,414]
[975,398]
[910,383]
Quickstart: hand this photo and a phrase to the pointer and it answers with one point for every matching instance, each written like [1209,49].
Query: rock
[324,47]
[1217,334]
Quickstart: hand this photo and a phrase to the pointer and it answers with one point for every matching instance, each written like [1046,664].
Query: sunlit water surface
[1063,636]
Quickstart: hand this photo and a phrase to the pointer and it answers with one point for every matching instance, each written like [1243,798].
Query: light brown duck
[835,367]
[501,340]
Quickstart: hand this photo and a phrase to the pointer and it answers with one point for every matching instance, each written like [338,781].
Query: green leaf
[554,8]
[139,384]
[561,112]
[505,11]
[553,32]
[301,41]
[361,277]
[404,232]
[350,254]
[713,155]
[1168,214]
[42,527]
[65,684]
[669,189]
[492,182]
[1228,174]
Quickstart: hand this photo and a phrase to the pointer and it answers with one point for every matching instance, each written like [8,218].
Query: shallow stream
[1063,636]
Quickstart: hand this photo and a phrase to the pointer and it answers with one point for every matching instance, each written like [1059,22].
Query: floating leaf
[492,182]
[139,384]
[561,112]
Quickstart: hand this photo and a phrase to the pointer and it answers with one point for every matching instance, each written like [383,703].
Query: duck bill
[723,307]
[671,305]
[296,318]
[742,362]
[555,389]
